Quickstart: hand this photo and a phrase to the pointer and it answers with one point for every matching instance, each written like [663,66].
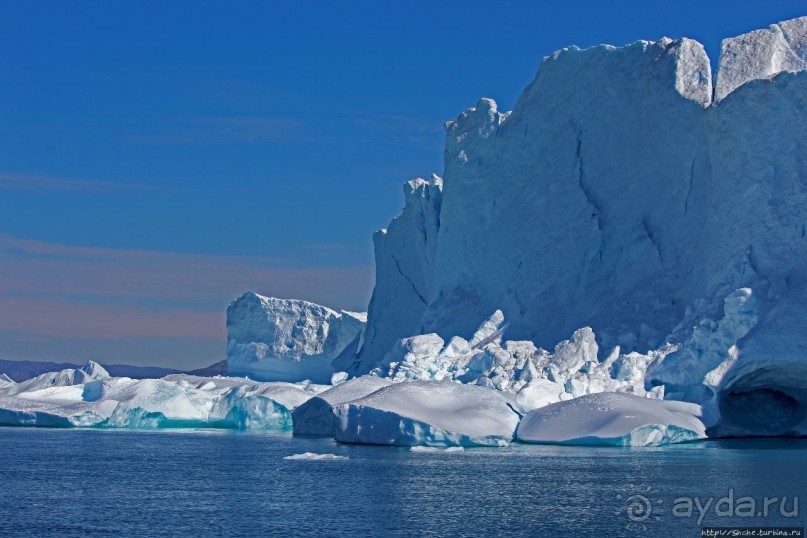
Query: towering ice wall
[572,210]
[621,194]
[404,257]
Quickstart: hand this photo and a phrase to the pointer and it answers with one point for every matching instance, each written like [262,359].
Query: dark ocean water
[221,483]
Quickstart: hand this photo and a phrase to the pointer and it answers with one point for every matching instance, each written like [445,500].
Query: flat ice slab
[428,413]
[613,419]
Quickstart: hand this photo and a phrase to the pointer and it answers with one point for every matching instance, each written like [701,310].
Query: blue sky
[157,159]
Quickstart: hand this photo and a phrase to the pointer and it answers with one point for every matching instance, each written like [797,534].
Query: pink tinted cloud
[30,182]
[88,292]
[74,319]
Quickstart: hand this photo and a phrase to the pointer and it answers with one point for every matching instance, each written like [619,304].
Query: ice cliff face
[541,203]
[557,217]
[272,339]
[620,195]
[404,257]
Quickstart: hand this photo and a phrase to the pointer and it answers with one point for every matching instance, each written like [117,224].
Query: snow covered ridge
[289,340]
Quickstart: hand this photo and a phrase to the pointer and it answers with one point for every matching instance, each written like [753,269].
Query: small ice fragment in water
[311,456]
[436,449]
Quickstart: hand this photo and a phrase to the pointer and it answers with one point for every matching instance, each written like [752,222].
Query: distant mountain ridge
[23,370]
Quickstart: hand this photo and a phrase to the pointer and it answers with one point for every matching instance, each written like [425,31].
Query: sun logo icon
[640,509]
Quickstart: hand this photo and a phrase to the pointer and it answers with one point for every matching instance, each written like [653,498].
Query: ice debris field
[405,413]
[619,260]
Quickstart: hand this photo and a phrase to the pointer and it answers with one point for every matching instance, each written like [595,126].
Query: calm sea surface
[221,483]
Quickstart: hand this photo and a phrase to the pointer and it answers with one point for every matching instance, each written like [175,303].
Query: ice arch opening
[764,402]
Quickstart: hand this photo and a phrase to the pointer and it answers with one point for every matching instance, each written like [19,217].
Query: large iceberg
[428,413]
[88,397]
[271,339]
[613,419]
[627,195]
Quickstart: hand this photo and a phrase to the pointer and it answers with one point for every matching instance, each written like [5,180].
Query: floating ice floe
[428,413]
[613,419]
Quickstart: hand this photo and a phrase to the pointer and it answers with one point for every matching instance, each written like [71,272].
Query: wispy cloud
[31,182]
[87,292]
[357,127]
[401,130]
[64,318]
[331,247]
[222,130]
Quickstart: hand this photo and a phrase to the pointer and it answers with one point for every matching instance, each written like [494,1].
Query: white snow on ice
[428,413]
[613,419]
[316,416]
[88,397]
